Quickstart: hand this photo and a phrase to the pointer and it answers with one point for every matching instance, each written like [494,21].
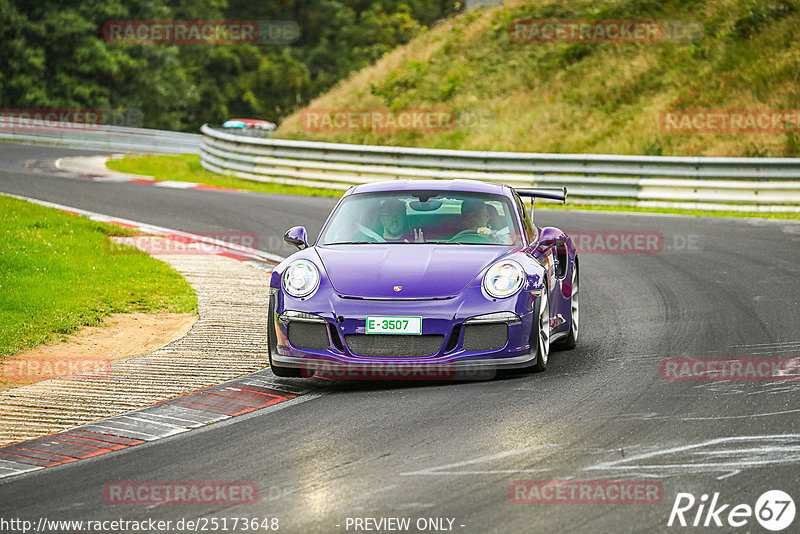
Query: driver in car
[475,215]
[395,223]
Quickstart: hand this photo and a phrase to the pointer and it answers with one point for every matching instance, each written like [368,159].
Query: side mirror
[550,237]
[296,236]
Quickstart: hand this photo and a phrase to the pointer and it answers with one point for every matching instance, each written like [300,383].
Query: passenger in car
[395,223]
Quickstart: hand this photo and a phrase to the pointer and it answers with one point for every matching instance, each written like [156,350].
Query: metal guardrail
[121,138]
[764,184]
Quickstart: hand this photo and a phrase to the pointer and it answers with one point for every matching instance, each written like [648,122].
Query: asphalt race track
[714,288]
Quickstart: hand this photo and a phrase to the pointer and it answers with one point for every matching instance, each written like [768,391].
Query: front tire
[541,332]
[572,338]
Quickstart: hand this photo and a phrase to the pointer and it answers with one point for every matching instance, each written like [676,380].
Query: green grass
[603,98]
[57,274]
[186,168]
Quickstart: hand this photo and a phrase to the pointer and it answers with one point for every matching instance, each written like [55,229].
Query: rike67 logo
[774,510]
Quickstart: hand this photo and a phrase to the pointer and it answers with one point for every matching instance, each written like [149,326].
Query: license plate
[394,325]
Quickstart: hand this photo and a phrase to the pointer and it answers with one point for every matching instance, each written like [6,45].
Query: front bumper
[334,320]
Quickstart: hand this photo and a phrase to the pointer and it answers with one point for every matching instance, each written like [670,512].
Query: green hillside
[579,97]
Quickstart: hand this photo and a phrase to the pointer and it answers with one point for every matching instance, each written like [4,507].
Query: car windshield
[423,217]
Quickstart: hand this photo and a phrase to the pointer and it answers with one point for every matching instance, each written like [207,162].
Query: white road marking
[728,475]
[441,470]
[757,451]
[719,417]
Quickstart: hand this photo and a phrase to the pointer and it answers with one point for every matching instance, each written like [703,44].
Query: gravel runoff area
[228,340]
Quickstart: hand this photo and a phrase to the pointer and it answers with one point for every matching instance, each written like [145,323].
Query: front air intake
[308,336]
[485,337]
[398,346]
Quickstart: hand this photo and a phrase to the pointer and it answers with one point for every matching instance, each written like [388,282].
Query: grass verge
[581,97]
[57,274]
[187,168]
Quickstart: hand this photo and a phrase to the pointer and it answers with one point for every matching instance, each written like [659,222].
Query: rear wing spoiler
[553,193]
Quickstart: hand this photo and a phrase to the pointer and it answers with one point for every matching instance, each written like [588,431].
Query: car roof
[470,186]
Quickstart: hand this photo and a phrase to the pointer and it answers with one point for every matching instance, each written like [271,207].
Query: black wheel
[272,341]
[540,336]
[540,333]
[572,338]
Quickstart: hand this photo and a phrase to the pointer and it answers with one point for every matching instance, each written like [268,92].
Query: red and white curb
[94,168]
[236,397]
[255,391]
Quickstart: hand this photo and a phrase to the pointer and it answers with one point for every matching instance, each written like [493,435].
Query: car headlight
[300,278]
[503,279]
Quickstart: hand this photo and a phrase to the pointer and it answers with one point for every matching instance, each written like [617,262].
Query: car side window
[526,220]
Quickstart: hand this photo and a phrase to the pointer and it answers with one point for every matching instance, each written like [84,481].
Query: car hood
[420,270]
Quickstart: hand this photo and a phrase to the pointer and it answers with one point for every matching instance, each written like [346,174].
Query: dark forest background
[53,55]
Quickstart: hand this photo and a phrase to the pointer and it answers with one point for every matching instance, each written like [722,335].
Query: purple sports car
[424,279]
